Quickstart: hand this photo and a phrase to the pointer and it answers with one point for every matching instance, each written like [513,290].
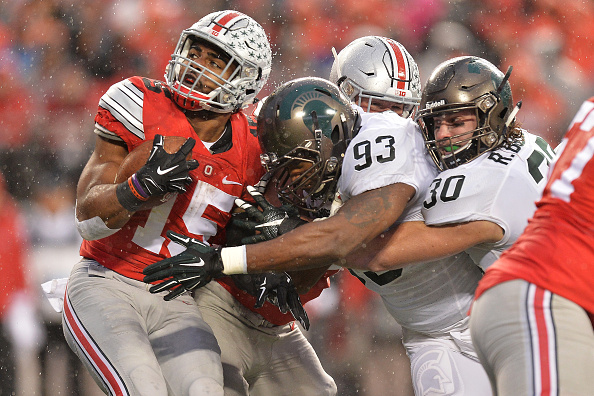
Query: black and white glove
[162,173]
[240,229]
[279,289]
[270,220]
[263,182]
[188,270]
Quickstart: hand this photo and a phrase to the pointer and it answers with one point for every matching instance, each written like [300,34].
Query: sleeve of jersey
[120,112]
[468,194]
[386,151]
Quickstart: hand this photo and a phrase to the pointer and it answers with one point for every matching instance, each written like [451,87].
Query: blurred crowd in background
[57,57]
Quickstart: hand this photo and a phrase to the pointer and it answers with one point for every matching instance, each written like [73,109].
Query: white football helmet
[375,67]
[239,36]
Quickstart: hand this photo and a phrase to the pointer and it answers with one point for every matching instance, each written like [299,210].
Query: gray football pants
[533,342]
[445,363]
[135,343]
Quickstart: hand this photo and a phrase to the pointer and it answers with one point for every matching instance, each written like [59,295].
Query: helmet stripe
[224,20]
[400,65]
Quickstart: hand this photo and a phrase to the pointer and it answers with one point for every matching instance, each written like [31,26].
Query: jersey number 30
[450,189]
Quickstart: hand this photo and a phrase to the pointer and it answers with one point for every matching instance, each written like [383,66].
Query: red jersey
[556,251]
[136,109]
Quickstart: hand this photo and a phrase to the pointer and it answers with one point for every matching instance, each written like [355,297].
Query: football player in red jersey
[532,321]
[133,342]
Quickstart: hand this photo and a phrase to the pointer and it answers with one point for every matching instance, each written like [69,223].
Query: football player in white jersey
[429,300]
[492,174]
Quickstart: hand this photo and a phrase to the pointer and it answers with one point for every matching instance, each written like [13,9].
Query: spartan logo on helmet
[468,83]
[304,127]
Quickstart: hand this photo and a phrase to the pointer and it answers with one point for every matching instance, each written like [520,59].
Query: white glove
[54,291]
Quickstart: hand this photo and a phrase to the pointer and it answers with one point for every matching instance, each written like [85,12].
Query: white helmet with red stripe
[375,67]
[246,43]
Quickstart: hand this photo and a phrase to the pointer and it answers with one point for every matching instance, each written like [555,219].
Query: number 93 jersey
[388,149]
[500,186]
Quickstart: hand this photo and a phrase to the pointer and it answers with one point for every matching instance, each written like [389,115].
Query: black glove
[279,289]
[237,232]
[240,229]
[162,173]
[271,221]
[190,269]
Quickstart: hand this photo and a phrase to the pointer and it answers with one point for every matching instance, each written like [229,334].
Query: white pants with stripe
[445,363]
[533,342]
[135,343]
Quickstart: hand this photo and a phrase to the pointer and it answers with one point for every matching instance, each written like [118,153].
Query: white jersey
[500,186]
[430,297]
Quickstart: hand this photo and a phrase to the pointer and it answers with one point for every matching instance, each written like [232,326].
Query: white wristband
[234,260]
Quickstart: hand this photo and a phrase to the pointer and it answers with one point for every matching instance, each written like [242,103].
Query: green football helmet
[463,83]
[304,128]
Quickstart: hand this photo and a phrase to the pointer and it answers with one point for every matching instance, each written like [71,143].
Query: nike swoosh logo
[225,181]
[271,223]
[199,263]
[163,171]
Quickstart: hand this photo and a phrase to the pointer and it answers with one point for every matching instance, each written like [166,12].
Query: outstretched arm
[312,245]
[414,242]
[321,243]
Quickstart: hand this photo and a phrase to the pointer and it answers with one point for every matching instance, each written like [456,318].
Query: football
[138,157]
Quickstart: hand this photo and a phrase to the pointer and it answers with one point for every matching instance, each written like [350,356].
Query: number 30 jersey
[133,111]
[500,186]
[430,297]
